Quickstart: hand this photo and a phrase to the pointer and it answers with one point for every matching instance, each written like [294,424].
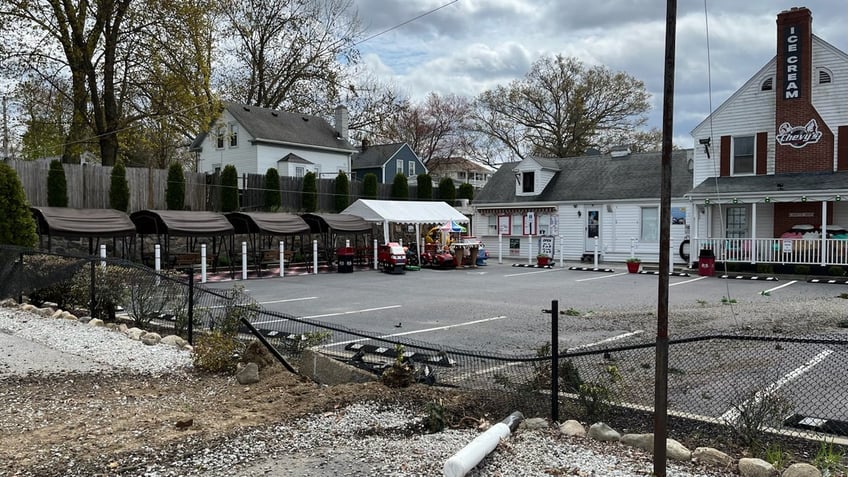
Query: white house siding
[829,99]
[329,163]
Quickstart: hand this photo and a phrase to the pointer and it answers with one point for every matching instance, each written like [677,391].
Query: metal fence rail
[792,384]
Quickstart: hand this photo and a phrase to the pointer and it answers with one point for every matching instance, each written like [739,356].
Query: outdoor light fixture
[803,198]
[706,143]
[767,200]
[838,198]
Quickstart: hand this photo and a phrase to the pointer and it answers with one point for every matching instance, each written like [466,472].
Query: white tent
[405,212]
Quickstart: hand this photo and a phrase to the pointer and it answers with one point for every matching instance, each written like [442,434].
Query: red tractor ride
[391,258]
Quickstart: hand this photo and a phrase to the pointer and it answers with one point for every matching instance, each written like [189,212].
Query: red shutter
[724,165]
[842,151]
[762,153]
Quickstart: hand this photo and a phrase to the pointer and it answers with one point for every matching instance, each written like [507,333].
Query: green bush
[273,202]
[466,191]
[119,189]
[369,186]
[309,199]
[447,191]
[765,268]
[175,189]
[342,197]
[400,187]
[229,189]
[425,187]
[216,352]
[57,185]
[111,289]
[836,271]
[17,227]
[802,269]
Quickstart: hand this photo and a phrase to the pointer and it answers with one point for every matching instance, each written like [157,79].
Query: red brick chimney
[804,141]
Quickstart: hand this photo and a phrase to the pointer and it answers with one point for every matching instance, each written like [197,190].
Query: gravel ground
[377,436]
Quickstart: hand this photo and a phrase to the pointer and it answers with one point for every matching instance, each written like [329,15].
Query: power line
[429,12]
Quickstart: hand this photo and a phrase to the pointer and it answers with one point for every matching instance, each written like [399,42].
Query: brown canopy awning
[69,222]
[339,222]
[181,223]
[270,223]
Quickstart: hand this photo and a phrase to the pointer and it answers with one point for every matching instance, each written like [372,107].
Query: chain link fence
[742,386]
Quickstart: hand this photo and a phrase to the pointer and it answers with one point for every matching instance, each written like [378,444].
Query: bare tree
[560,108]
[288,54]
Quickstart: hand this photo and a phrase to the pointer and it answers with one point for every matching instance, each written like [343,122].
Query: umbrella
[451,226]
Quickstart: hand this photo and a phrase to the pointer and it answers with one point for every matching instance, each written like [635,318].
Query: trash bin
[706,263]
[344,255]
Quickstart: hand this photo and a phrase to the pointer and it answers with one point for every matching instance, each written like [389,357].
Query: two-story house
[606,203]
[770,171]
[461,170]
[386,161]
[255,139]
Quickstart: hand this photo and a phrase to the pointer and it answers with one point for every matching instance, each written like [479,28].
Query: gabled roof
[294,159]
[273,126]
[405,211]
[595,178]
[438,164]
[375,156]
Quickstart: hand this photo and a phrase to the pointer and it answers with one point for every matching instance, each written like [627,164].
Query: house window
[743,155]
[503,225]
[527,181]
[492,226]
[299,171]
[544,224]
[233,135]
[220,133]
[737,222]
[650,224]
[767,85]
[517,225]
[411,169]
[399,166]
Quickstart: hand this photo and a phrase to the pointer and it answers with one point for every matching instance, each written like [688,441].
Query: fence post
[157,257]
[555,361]
[203,263]
[91,291]
[282,258]
[315,256]
[191,305]
[21,293]
[375,254]
[244,260]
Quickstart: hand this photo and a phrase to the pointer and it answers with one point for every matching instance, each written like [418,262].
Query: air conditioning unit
[462,202]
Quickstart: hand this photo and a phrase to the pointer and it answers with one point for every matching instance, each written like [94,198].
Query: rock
[123,328]
[257,353]
[151,339]
[96,322]
[711,456]
[572,428]
[534,423]
[174,340]
[602,432]
[801,469]
[27,307]
[677,451]
[67,315]
[248,374]
[50,304]
[49,312]
[639,441]
[184,423]
[8,303]
[84,319]
[750,467]
[135,333]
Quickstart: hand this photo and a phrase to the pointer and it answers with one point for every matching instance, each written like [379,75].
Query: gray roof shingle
[281,126]
[375,156]
[595,178]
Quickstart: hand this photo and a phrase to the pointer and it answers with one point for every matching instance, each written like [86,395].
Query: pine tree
[119,189]
[175,189]
[229,189]
[425,187]
[17,227]
[466,191]
[369,186]
[447,191]
[310,192]
[342,197]
[272,190]
[400,187]
[57,185]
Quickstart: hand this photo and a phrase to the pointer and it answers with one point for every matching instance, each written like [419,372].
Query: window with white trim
[742,162]
[528,181]
[399,166]
[544,224]
[650,225]
[299,171]
[233,135]
[411,169]
[492,225]
[737,222]
[517,225]
[220,134]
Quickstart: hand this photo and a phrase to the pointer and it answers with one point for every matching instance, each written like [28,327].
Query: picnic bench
[181,261]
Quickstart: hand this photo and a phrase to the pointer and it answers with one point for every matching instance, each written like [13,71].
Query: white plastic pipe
[203,263]
[500,248]
[469,456]
[315,256]
[157,257]
[244,260]
[282,258]
[102,255]
[375,254]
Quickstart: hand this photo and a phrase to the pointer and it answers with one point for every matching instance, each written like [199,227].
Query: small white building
[609,203]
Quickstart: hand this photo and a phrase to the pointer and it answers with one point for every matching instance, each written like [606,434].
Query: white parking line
[288,300]
[608,340]
[733,414]
[350,312]
[426,330]
[686,281]
[778,288]
[601,277]
[547,270]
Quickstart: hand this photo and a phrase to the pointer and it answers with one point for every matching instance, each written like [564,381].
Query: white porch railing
[776,250]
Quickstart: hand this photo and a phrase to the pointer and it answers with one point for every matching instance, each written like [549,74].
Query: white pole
[347,243]
[469,456]
[103,254]
[632,247]
[530,248]
[315,256]
[596,251]
[282,259]
[375,254]
[244,260]
[500,247]
[561,253]
[157,257]
[203,263]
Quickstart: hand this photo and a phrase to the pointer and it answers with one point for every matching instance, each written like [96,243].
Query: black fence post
[191,305]
[555,360]
[92,291]
[21,292]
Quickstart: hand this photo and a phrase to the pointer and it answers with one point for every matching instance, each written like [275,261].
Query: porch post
[823,253]
[753,232]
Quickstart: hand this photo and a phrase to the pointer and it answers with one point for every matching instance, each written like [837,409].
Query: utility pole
[5,131]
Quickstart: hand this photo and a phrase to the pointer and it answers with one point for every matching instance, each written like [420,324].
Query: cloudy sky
[472,45]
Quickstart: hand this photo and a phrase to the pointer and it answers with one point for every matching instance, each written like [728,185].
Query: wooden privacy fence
[88,186]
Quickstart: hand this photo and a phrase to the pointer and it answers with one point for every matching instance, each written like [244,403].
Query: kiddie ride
[391,258]
[435,256]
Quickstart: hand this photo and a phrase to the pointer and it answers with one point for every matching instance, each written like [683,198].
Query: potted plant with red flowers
[633,264]
[543,259]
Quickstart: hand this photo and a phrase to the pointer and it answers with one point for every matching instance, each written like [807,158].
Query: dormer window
[528,181]
[767,85]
